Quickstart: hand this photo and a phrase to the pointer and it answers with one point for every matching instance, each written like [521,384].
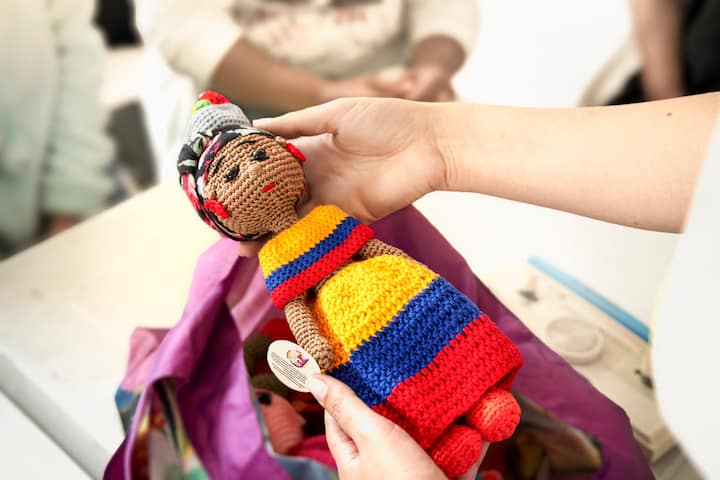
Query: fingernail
[317,387]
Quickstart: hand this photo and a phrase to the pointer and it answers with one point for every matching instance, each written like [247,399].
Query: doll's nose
[253,168]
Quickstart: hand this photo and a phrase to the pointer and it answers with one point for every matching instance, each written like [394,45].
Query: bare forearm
[251,77]
[634,165]
[658,30]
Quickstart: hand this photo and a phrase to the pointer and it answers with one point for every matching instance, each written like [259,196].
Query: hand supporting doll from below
[367,445]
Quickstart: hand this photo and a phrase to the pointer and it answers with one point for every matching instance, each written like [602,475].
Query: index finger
[309,121]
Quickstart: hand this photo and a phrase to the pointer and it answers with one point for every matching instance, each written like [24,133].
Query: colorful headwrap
[215,122]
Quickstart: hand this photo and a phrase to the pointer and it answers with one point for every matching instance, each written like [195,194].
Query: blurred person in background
[679,41]
[54,155]
[275,56]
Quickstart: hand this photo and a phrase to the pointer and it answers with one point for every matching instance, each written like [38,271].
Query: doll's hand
[370,157]
[367,445]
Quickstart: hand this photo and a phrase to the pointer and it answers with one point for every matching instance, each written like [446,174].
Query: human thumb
[351,414]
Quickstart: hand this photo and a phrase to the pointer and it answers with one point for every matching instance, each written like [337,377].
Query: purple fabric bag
[228,301]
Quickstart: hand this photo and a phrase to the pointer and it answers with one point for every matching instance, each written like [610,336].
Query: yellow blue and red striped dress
[407,342]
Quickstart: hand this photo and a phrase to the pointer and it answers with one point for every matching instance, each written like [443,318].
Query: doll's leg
[495,415]
[306,332]
[457,449]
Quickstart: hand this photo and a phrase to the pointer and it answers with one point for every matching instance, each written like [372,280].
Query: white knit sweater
[52,146]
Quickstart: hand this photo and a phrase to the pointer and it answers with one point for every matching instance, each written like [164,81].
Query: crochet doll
[285,430]
[409,344]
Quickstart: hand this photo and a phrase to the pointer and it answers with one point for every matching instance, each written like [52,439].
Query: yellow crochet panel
[300,238]
[364,297]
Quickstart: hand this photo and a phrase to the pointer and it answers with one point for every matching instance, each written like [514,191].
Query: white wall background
[544,54]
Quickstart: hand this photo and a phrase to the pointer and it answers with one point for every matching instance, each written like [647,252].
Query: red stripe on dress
[477,359]
[301,282]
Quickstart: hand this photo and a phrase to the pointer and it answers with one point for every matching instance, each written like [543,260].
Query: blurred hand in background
[275,57]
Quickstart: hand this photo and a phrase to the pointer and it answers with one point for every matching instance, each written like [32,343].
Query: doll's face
[257,182]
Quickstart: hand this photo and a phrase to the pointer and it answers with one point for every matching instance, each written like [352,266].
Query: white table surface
[27,452]
[71,303]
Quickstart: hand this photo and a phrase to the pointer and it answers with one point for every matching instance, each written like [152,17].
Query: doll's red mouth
[268,187]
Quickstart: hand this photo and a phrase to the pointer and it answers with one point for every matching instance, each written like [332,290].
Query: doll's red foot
[495,415]
[457,449]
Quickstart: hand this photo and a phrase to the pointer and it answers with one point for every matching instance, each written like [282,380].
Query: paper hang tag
[291,364]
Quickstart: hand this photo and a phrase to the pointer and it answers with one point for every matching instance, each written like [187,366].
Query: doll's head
[244,182]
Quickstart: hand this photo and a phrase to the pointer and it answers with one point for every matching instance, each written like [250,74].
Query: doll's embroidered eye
[231,174]
[264,398]
[259,155]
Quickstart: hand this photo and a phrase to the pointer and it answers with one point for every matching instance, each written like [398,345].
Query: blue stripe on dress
[307,259]
[408,343]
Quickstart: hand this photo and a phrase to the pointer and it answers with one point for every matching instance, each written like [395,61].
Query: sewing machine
[601,341]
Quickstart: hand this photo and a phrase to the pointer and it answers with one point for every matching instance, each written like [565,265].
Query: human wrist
[432,134]
[434,70]
[323,90]
[438,52]
[436,67]
[447,133]
[305,90]
[659,87]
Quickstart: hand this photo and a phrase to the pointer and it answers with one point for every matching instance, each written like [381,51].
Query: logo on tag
[291,364]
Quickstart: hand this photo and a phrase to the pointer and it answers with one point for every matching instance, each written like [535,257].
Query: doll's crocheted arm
[304,328]
[375,248]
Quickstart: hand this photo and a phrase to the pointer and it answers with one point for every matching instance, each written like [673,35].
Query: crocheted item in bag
[284,425]
[407,342]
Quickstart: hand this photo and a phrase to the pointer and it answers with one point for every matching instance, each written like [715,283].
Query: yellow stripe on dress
[364,297]
[299,238]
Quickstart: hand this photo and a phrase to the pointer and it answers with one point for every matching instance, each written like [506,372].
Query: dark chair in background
[116,20]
